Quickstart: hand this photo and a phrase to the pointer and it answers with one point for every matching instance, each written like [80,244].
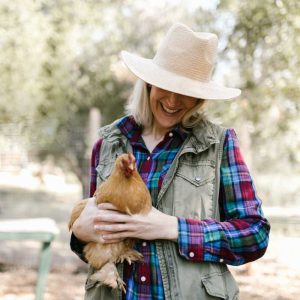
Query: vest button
[170,134]
[191,254]
[144,244]
[143,278]
[148,158]
[221,260]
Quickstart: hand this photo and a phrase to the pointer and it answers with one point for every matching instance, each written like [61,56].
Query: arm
[76,244]
[242,235]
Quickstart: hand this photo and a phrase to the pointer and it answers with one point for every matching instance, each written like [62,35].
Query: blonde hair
[139,107]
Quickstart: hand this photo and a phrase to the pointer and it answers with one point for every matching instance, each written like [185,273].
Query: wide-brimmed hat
[183,64]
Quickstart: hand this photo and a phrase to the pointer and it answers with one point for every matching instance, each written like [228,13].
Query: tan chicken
[126,190]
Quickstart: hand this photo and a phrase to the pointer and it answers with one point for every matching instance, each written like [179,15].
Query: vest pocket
[198,175]
[216,286]
[193,188]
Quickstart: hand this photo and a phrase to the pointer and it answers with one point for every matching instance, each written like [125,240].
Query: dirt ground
[274,277]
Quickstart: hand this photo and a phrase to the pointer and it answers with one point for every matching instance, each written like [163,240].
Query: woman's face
[168,108]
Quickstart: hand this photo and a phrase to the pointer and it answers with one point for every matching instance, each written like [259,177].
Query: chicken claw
[109,275]
[130,256]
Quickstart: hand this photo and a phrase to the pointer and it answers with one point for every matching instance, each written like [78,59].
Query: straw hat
[183,64]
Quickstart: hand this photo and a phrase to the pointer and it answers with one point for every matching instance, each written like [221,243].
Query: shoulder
[228,134]
[108,129]
[97,145]
[232,153]
[116,126]
[209,131]
[96,151]
[231,140]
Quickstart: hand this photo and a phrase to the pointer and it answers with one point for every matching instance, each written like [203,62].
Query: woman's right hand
[84,226]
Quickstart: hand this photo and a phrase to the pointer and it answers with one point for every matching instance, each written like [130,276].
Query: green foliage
[60,59]
[21,55]
[264,41]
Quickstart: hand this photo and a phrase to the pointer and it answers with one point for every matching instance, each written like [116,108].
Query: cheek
[191,104]
[154,104]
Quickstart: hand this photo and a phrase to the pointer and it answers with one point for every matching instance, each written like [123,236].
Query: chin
[169,124]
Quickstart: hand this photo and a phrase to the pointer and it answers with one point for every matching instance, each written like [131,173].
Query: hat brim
[153,74]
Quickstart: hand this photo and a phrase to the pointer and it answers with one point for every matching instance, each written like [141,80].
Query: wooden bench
[43,230]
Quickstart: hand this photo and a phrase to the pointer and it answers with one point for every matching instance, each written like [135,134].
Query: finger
[100,239]
[111,218]
[111,241]
[116,236]
[97,231]
[115,227]
[107,205]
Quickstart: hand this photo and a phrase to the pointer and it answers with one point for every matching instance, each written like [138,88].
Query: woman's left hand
[155,225]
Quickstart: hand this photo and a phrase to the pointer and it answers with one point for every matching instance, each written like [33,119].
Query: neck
[156,132]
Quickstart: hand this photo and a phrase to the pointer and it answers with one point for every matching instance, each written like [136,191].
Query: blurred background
[61,78]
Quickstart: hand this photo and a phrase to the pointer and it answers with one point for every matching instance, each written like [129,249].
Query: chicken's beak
[131,166]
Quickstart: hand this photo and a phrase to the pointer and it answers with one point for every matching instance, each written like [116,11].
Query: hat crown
[187,53]
[183,64]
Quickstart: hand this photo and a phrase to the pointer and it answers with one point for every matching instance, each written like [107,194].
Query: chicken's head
[126,163]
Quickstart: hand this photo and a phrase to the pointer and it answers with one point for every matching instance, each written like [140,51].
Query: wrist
[172,228]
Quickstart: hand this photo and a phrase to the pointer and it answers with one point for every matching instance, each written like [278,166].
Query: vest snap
[197,168]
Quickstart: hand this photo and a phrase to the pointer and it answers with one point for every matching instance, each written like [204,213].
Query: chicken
[126,190]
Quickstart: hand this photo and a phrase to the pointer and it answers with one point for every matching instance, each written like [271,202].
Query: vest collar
[202,137]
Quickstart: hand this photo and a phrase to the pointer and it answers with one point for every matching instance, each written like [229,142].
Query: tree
[80,70]
[20,61]
[263,48]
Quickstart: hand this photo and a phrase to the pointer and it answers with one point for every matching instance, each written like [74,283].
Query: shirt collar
[133,131]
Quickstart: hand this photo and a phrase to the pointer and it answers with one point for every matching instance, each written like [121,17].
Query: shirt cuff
[190,239]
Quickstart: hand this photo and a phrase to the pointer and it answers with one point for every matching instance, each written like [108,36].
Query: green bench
[43,230]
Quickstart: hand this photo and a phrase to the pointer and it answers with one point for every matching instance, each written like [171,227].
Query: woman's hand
[85,226]
[115,226]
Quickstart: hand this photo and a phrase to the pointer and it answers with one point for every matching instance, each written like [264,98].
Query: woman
[206,212]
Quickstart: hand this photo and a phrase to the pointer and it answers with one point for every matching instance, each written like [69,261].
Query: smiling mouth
[168,110]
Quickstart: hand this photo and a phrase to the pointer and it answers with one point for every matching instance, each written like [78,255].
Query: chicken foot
[131,256]
[109,275]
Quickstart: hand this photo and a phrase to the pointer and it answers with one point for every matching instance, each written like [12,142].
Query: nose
[173,99]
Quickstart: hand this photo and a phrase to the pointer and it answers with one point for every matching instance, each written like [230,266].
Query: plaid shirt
[240,237]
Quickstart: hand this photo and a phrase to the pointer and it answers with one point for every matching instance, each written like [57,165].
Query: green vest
[190,189]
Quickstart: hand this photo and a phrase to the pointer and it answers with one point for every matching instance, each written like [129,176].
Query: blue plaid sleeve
[242,234]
